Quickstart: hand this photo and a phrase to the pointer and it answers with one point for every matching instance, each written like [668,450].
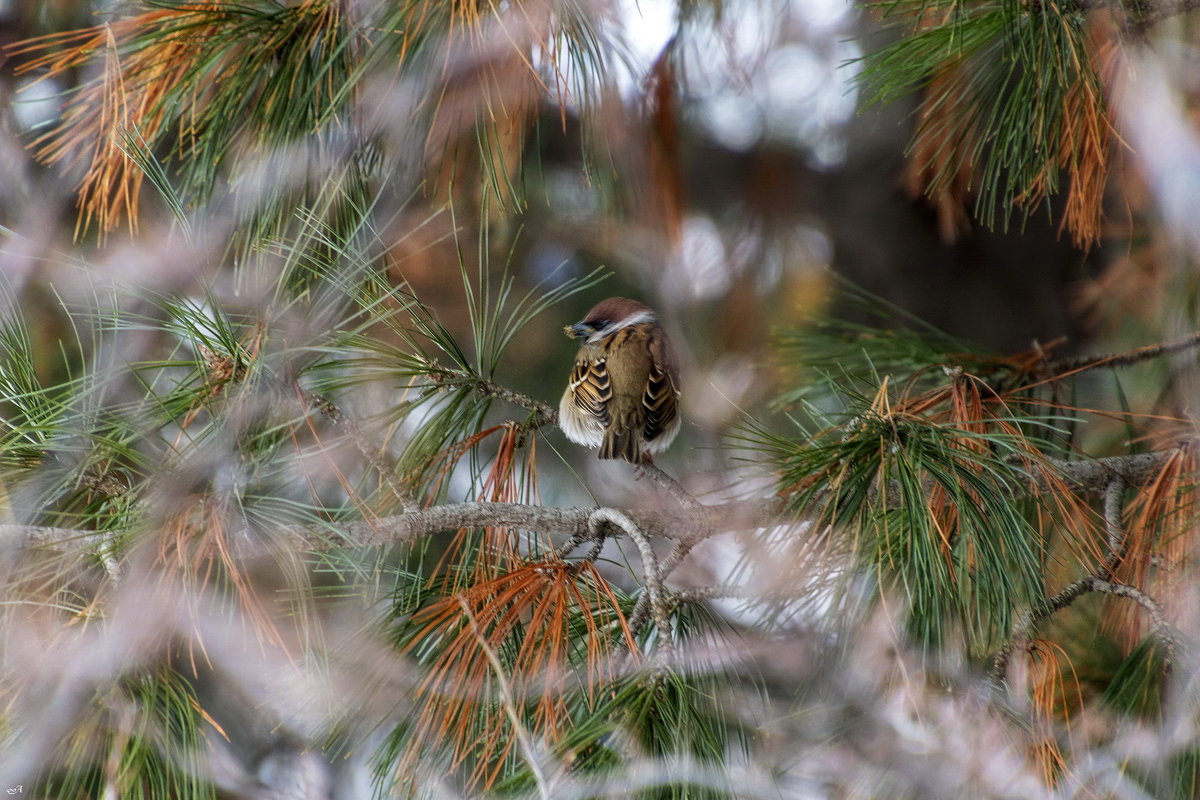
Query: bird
[623,395]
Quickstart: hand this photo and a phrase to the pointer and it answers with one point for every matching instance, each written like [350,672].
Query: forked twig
[654,592]
[1099,581]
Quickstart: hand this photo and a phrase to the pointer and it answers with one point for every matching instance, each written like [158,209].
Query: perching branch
[673,487]
[413,525]
[661,523]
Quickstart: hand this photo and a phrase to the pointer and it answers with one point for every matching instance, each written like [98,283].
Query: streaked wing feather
[591,389]
[661,400]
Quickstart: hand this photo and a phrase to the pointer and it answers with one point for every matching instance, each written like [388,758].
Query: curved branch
[654,591]
[1161,627]
[1101,581]
[1118,544]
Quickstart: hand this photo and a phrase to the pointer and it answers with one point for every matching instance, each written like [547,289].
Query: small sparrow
[623,396]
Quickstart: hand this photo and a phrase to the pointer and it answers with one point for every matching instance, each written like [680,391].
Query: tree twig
[543,414]
[653,587]
[1118,544]
[348,426]
[655,522]
[1077,364]
[668,482]
[1161,627]
[562,551]
[637,618]
[1099,581]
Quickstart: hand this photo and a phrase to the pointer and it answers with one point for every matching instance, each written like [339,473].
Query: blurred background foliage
[277,274]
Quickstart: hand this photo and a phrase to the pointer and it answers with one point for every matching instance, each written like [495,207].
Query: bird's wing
[661,397]
[591,388]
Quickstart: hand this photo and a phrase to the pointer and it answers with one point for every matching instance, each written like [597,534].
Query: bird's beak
[579,330]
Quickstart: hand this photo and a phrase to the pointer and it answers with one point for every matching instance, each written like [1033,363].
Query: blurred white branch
[681,525]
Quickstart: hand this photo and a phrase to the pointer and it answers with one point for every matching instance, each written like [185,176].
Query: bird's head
[609,316]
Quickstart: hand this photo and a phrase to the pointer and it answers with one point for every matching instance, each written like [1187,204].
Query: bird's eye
[601,324]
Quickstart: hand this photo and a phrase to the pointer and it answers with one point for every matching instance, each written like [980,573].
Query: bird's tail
[624,444]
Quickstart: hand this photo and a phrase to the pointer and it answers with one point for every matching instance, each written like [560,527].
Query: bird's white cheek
[579,428]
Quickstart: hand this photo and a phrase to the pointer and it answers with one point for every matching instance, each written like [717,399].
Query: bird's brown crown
[614,309]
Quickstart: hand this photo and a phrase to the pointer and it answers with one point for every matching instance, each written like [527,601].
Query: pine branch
[1152,14]
[1161,627]
[508,702]
[1135,470]
[574,523]
[419,524]
[371,453]
[668,482]
[447,379]
[644,606]
[1140,16]
[1082,476]
[1077,364]
[655,592]
[1100,581]
[1095,475]
[1118,542]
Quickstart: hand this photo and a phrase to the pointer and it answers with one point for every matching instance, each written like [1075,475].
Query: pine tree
[284,508]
